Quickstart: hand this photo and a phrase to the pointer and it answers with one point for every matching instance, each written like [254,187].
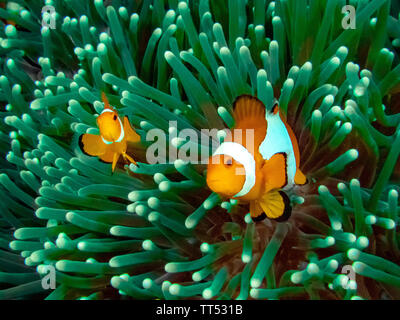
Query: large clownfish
[257,173]
[113,139]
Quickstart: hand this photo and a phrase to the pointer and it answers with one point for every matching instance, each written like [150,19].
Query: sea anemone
[155,230]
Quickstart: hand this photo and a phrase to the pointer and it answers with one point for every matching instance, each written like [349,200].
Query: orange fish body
[113,139]
[258,161]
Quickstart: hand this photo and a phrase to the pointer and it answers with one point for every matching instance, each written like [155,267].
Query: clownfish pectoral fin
[300,178]
[248,112]
[92,144]
[131,134]
[129,158]
[256,212]
[276,205]
[114,161]
[275,172]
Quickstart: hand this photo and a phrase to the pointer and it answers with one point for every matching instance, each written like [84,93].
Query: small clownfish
[113,139]
[257,173]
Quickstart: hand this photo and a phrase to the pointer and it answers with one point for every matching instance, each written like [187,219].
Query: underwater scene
[199,150]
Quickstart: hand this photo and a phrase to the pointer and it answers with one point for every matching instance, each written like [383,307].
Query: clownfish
[257,173]
[113,139]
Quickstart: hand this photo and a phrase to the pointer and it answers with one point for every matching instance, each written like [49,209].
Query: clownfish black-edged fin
[256,212]
[131,134]
[275,108]
[250,109]
[259,218]
[275,172]
[288,208]
[276,206]
[92,145]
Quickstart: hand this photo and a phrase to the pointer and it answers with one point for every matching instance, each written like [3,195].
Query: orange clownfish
[113,139]
[257,173]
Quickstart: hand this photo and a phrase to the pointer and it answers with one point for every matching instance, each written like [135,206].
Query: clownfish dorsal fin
[256,212]
[248,112]
[105,100]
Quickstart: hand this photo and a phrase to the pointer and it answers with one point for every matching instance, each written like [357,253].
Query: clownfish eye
[115,117]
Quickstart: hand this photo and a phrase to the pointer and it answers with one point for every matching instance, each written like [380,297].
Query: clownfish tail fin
[247,107]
